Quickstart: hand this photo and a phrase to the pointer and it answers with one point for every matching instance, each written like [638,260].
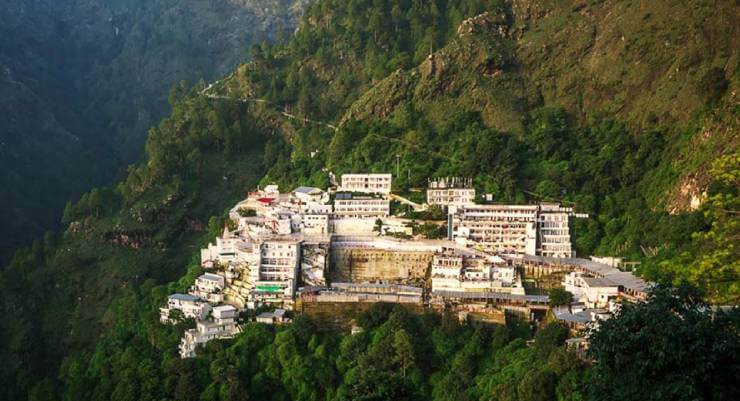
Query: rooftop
[625,279]
[223,308]
[308,190]
[211,277]
[599,282]
[184,297]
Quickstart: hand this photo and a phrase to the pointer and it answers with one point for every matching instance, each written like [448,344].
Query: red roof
[265,200]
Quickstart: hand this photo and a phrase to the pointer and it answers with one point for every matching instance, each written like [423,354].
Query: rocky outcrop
[134,239]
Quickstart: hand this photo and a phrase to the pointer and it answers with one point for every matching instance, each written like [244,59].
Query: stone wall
[379,265]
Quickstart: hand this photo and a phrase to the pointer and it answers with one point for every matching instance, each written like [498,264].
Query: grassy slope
[643,63]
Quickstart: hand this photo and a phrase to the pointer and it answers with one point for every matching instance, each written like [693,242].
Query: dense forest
[399,355]
[83,81]
[449,95]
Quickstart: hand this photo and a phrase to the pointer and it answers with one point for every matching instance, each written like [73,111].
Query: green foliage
[87,79]
[560,297]
[371,39]
[400,356]
[692,352]
[712,259]
[123,239]
[95,290]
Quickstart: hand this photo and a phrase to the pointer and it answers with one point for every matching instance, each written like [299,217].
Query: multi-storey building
[278,269]
[360,207]
[223,251]
[310,195]
[368,183]
[595,292]
[209,286]
[515,229]
[508,229]
[553,236]
[221,325]
[314,224]
[462,270]
[190,306]
[451,191]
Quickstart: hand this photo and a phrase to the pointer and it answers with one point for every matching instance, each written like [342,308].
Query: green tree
[560,297]
[404,350]
[672,347]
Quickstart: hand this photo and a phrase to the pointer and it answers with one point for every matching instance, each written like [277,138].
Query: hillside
[82,82]
[485,89]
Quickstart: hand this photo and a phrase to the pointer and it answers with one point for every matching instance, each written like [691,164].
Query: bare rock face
[485,23]
[690,195]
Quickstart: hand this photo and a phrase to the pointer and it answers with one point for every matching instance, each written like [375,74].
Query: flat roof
[366,174]
[566,316]
[625,279]
[211,277]
[224,308]
[308,190]
[184,297]
[599,282]
[493,295]
[377,285]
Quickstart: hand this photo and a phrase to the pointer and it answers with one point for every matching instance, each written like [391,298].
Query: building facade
[450,191]
[190,306]
[368,183]
[515,229]
[361,207]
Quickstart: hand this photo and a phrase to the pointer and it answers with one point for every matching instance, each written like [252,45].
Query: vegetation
[84,81]
[560,297]
[399,356]
[695,357]
[79,308]
[70,288]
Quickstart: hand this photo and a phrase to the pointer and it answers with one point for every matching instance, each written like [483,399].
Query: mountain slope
[96,288]
[82,81]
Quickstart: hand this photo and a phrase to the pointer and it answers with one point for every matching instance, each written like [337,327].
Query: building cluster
[279,247]
[211,322]
[597,289]
[467,270]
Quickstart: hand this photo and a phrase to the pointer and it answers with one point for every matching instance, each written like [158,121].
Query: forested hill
[82,82]
[625,110]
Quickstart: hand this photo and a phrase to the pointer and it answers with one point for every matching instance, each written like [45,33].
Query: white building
[275,317]
[593,291]
[515,229]
[210,287]
[222,325]
[310,195]
[314,224]
[368,183]
[278,270]
[360,207]
[190,306]
[554,231]
[451,191]
[462,270]
[223,251]
[507,229]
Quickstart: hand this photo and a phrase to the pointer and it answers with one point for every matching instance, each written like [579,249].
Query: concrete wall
[368,265]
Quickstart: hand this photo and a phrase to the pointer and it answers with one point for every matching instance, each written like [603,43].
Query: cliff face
[82,81]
